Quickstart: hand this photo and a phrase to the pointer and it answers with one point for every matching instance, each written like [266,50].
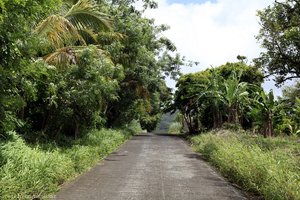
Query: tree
[213,97]
[18,45]
[209,98]
[145,55]
[66,33]
[286,115]
[280,36]
[187,100]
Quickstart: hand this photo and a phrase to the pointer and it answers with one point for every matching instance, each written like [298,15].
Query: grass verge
[36,171]
[269,167]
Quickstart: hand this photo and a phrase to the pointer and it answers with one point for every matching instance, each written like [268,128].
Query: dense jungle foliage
[72,65]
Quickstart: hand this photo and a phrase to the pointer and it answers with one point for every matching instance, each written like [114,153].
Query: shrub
[175,128]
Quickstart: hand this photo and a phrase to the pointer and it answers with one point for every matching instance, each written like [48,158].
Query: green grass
[36,171]
[269,167]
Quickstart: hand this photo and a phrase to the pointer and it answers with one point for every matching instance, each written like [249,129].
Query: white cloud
[212,33]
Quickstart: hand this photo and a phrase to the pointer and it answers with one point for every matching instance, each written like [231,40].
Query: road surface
[151,167]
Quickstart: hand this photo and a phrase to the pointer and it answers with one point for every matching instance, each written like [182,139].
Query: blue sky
[190,1]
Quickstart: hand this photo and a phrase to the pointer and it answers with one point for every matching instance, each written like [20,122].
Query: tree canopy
[279,35]
[209,98]
[72,65]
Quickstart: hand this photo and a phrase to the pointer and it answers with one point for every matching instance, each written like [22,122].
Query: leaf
[85,14]
[57,31]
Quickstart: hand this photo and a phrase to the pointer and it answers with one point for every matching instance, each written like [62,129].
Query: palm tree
[71,31]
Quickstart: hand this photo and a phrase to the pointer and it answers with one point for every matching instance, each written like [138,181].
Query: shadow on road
[194,156]
[166,134]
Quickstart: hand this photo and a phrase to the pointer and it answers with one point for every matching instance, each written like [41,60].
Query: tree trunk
[217,118]
[77,128]
[192,124]
[233,116]
[268,125]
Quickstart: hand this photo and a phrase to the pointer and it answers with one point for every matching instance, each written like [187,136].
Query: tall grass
[269,167]
[28,172]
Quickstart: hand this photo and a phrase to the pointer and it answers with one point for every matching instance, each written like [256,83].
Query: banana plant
[266,104]
[235,96]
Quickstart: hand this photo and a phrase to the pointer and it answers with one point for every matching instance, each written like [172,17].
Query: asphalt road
[151,167]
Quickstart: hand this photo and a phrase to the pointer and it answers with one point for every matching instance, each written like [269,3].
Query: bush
[254,162]
[132,128]
[175,128]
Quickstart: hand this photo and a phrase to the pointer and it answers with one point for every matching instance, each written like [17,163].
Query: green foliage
[67,67]
[279,35]
[29,172]
[145,56]
[80,94]
[263,113]
[131,128]
[175,128]
[165,122]
[209,98]
[117,80]
[268,167]
[17,19]
[25,171]
[287,112]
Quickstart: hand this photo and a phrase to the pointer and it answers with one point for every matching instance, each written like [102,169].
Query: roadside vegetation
[264,166]
[78,77]
[75,77]
[37,171]
[250,135]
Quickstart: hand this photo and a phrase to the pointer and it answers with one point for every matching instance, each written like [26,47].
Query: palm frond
[64,57]
[89,36]
[61,58]
[58,31]
[85,14]
[106,37]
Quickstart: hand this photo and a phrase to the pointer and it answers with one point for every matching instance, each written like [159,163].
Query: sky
[212,32]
